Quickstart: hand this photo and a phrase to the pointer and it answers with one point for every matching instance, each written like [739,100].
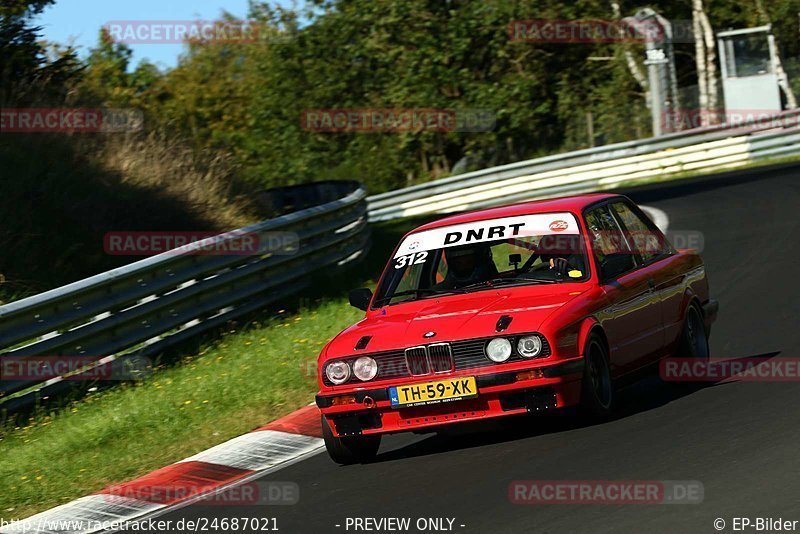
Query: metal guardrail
[594,169]
[141,309]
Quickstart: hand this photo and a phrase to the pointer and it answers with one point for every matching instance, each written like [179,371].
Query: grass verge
[237,383]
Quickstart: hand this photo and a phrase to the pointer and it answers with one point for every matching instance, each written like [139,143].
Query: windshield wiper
[513,280]
[525,279]
[418,292]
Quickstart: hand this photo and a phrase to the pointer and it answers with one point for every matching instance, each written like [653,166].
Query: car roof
[572,204]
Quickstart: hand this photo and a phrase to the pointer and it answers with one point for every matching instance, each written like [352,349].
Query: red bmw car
[510,310]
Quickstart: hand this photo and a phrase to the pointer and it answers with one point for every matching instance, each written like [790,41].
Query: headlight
[338,372]
[529,346]
[499,349]
[365,368]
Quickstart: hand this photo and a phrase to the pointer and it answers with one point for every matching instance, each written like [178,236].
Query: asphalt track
[740,439]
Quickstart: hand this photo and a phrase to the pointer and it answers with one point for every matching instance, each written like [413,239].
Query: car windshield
[480,255]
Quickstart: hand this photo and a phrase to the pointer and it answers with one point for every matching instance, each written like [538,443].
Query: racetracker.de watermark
[754,369]
[181,31]
[628,242]
[234,243]
[74,368]
[397,120]
[612,492]
[256,493]
[70,120]
[599,31]
[688,118]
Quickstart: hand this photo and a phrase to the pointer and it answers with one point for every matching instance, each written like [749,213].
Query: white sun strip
[93,513]
[258,450]
[489,230]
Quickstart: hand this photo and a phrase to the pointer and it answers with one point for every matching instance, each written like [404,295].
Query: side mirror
[359,298]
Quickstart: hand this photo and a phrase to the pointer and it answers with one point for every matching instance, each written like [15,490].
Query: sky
[78,22]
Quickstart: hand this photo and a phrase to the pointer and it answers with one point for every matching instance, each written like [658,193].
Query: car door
[631,317]
[657,258]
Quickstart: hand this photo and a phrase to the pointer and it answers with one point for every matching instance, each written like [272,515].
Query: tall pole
[656,87]
[660,63]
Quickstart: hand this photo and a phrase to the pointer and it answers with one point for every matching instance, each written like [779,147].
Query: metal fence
[129,314]
[595,169]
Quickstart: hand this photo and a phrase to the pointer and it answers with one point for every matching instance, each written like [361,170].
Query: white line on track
[659,217]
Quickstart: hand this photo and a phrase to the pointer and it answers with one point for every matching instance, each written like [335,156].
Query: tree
[783,79]
[105,79]
[247,100]
[28,74]
[705,59]
[630,61]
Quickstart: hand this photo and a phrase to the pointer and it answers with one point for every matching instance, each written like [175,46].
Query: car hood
[452,317]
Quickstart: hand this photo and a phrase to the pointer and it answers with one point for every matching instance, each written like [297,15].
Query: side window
[648,243]
[614,255]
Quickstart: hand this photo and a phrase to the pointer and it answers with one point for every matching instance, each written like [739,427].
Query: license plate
[449,390]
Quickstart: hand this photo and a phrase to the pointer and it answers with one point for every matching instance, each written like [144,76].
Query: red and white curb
[276,445]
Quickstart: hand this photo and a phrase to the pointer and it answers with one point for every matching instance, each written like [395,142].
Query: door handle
[651,284]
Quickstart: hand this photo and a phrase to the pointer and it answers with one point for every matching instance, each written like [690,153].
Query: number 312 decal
[411,259]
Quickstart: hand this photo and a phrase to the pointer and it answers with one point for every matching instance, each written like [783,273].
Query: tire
[692,344]
[349,450]
[694,340]
[597,388]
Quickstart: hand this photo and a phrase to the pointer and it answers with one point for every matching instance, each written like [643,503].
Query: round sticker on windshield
[559,226]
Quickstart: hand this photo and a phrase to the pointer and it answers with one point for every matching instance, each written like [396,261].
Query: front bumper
[499,394]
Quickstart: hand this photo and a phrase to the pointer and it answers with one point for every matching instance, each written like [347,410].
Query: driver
[467,265]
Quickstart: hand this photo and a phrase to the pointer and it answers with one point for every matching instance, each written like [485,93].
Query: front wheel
[349,450]
[597,389]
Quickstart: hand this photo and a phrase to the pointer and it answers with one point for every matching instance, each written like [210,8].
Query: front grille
[417,361]
[470,353]
[391,365]
[441,357]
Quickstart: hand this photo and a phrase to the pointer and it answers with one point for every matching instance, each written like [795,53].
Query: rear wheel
[597,389]
[349,450]
[694,341]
